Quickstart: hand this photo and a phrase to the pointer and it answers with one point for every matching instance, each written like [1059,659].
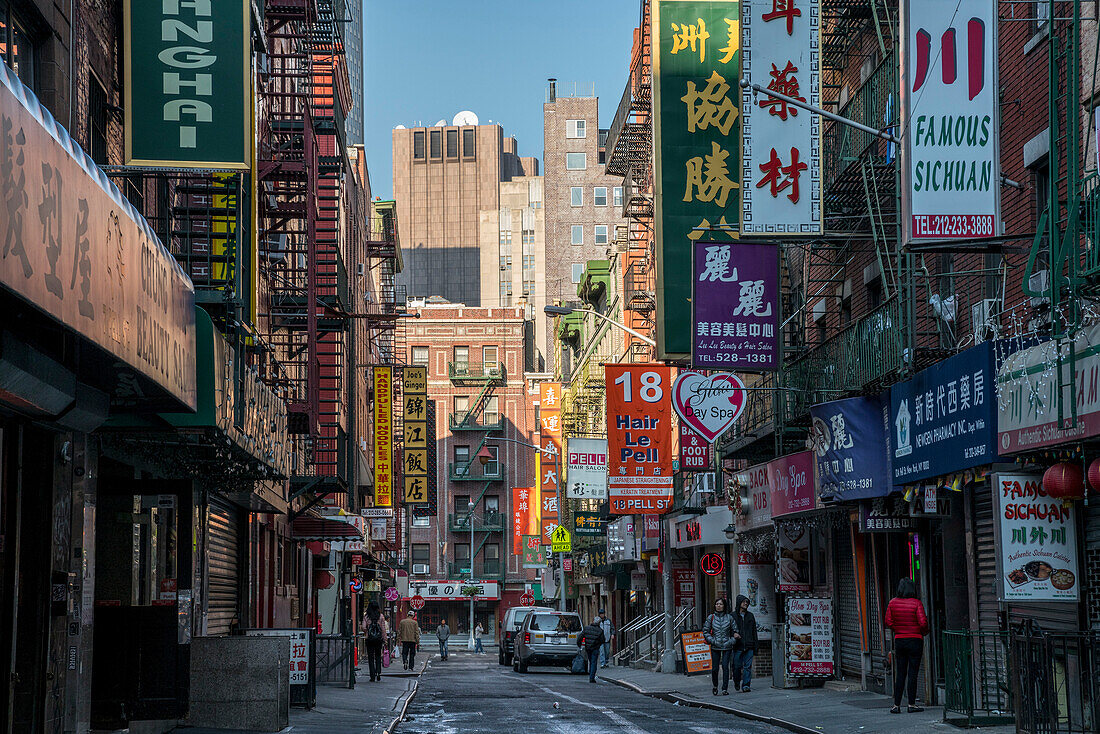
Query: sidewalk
[805,711]
[369,708]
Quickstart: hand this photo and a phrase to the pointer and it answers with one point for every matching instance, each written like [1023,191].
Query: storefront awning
[335,527]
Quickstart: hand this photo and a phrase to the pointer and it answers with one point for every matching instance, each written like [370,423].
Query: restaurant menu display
[793,564]
[809,637]
[696,653]
[1038,543]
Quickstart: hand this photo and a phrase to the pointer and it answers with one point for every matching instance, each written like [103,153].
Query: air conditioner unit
[275,247]
[360,269]
[984,316]
[420,569]
[1039,282]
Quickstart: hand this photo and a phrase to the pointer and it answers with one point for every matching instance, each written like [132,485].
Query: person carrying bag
[720,632]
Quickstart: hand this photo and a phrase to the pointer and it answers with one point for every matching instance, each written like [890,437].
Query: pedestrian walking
[375,632]
[443,633]
[906,619]
[720,632]
[591,639]
[408,634]
[608,630]
[478,632]
[746,646]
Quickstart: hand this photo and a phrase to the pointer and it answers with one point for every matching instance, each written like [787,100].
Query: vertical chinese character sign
[415,456]
[780,142]
[735,306]
[550,460]
[696,67]
[949,118]
[639,438]
[523,513]
[383,437]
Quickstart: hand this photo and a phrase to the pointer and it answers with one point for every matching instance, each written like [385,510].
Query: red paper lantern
[1065,481]
[1094,475]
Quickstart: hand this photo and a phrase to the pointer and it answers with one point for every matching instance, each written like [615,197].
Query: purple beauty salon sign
[735,306]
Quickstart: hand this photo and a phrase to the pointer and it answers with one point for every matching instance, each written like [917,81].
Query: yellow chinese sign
[414,462]
[383,437]
[697,132]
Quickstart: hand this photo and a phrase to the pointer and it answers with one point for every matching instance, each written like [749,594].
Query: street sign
[356,584]
[417,602]
[392,594]
[567,564]
[561,541]
[527,599]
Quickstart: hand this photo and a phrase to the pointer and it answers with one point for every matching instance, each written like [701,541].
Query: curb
[694,702]
[408,699]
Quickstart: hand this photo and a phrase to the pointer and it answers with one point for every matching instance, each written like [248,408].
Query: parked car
[546,637]
[509,626]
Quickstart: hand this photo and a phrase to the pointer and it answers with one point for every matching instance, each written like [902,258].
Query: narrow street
[472,694]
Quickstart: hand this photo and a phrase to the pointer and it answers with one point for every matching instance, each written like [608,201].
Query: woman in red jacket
[906,619]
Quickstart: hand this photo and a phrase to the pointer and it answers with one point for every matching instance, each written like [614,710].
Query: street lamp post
[470,519]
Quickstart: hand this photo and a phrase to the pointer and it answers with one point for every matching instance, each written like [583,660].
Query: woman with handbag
[905,617]
[720,632]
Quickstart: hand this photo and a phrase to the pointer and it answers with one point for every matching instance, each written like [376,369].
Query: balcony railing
[468,422]
[483,570]
[874,104]
[490,522]
[473,471]
[490,371]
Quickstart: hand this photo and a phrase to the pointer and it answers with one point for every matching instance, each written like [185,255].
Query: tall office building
[352,30]
[444,176]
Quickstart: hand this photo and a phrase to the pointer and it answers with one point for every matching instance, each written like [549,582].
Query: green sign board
[532,555]
[697,134]
[188,89]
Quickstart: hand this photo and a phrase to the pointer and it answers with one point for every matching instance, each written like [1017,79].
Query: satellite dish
[399,127]
[441,123]
[465,118]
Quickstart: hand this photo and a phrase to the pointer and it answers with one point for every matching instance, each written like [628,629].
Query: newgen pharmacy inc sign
[188,91]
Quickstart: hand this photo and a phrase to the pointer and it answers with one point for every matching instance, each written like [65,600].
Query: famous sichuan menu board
[1038,541]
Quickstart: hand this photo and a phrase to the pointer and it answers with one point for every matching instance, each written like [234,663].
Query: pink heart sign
[709,405]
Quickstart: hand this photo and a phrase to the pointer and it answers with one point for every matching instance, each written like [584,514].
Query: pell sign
[639,438]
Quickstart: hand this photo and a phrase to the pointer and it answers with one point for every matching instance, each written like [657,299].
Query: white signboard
[780,142]
[586,468]
[622,542]
[756,579]
[452,590]
[1038,541]
[299,651]
[809,637]
[951,171]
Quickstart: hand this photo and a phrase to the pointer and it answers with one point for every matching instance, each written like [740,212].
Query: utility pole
[470,519]
[561,516]
[668,657]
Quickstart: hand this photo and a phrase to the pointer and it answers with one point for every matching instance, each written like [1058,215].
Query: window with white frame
[577,237]
[617,196]
[575,128]
[601,234]
[576,161]
[578,272]
[599,196]
[576,196]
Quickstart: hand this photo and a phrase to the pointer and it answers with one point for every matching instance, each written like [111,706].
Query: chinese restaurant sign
[781,143]
[696,68]
[849,440]
[943,419]
[414,466]
[951,170]
[586,468]
[639,438]
[78,251]
[1037,541]
[792,484]
[735,306]
[383,436]
[188,94]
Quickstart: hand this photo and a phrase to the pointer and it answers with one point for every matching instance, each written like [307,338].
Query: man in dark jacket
[591,639]
[746,646]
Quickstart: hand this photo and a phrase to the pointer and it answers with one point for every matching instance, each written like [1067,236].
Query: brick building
[476,362]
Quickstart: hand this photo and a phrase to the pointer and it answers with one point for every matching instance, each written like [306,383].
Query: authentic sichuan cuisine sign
[1038,541]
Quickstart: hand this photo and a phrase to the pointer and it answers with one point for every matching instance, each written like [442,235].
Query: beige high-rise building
[444,176]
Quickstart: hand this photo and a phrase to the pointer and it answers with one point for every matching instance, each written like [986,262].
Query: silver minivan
[509,626]
[547,637]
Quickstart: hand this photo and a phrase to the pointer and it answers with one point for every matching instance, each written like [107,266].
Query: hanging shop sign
[622,542]
[756,579]
[383,436]
[792,482]
[809,637]
[735,306]
[793,550]
[696,653]
[694,450]
[639,438]
[849,441]
[546,516]
[586,468]
[692,531]
[944,420]
[452,590]
[683,586]
[589,524]
[532,553]
[187,79]
[414,464]
[753,490]
[1028,394]
[949,121]
[696,67]
[1037,538]
[77,250]
[524,516]
[780,143]
[637,581]
[709,404]
[549,480]
[712,564]
[885,518]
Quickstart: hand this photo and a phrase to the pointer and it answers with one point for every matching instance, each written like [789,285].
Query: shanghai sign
[639,438]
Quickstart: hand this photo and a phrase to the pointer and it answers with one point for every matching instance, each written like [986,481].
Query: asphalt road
[471,694]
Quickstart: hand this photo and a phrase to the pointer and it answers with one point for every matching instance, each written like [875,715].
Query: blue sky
[425,60]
